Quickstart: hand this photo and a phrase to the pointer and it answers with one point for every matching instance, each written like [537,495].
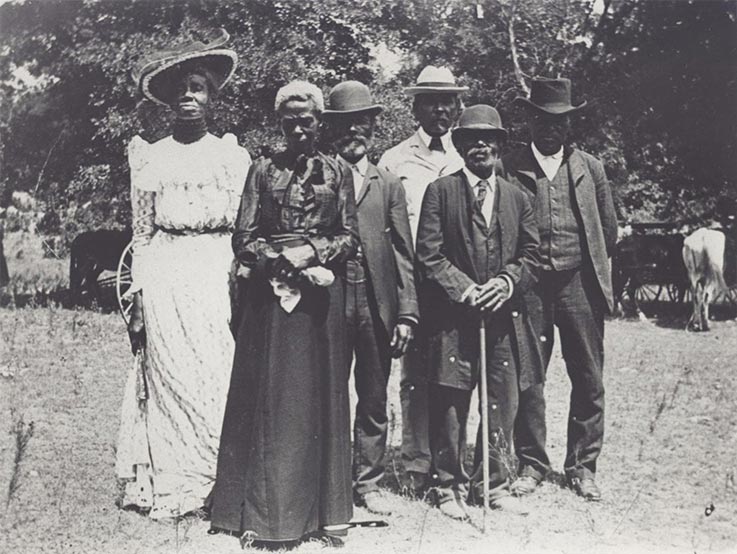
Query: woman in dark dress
[284,467]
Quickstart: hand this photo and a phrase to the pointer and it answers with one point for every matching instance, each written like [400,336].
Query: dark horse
[91,253]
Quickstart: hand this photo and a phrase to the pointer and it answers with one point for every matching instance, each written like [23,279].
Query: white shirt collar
[549,164]
[540,156]
[444,140]
[474,179]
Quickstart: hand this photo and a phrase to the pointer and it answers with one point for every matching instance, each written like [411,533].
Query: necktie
[481,189]
[436,145]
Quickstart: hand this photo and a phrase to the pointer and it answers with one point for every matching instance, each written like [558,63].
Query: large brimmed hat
[479,119]
[154,73]
[434,80]
[350,97]
[551,96]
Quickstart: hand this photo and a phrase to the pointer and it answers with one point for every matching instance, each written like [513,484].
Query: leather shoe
[524,485]
[414,484]
[509,504]
[585,487]
[454,508]
[375,502]
[451,503]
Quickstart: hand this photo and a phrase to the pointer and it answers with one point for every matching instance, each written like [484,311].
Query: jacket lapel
[371,174]
[576,166]
[464,199]
[526,168]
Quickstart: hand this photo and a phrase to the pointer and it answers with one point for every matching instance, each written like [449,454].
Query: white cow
[703,254]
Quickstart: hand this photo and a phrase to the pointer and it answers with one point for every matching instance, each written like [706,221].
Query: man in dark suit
[381,304]
[578,232]
[477,253]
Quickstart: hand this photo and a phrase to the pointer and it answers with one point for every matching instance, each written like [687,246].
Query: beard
[353,148]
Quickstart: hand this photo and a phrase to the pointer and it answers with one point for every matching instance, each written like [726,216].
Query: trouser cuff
[529,471]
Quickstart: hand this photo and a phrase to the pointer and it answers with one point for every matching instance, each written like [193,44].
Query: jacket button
[452,359]
[515,314]
[505,363]
[543,338]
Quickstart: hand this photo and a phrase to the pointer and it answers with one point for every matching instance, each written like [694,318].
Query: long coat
[417,166]
[387,245]
[445,259]
[593,198]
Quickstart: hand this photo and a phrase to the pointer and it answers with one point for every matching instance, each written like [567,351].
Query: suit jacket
[417,166]
[387,245]
[445,260]
[593,198]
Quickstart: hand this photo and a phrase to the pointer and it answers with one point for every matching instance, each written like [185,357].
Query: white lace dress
[185,198]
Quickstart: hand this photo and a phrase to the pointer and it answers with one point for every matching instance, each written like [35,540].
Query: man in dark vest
[477,253]
[381,303]
[578,232]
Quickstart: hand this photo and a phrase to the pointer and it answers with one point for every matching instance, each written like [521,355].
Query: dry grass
[669,452]
[34,266]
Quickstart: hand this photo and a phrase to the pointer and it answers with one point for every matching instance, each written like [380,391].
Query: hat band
[436,84]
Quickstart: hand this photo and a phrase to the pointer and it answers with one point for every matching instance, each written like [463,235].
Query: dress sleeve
[143,198]
[250,248]
[238,163]
[344,242]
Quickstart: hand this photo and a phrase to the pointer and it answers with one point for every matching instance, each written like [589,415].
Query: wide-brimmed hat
[479,119]
[350,97]
[435,80]
[552,96]
[154,73]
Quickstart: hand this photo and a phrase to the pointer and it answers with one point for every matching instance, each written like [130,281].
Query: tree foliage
[660,78]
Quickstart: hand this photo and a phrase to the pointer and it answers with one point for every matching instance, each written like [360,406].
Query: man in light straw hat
[423,157]
[381,304]
[477,254]
[578,231]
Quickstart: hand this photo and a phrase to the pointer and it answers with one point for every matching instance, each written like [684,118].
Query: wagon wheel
[731,296]
[674,292]
[648,293]
[123,281]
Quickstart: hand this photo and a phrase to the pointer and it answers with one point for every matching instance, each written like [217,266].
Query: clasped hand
[291,261]
[489,296]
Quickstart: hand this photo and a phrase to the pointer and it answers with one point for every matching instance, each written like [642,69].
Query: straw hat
[435,80]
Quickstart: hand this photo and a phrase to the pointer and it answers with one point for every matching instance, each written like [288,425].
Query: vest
[487,241]
[558,221]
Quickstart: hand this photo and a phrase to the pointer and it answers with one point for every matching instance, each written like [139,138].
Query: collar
[361,166]
[474,179]
[425,138]
[539,156]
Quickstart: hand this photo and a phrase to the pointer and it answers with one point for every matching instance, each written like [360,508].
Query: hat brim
[414,91]
[221,64]
[376,109]
[479,129]
[554,109]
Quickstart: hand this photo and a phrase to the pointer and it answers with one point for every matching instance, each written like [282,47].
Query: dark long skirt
[284,467]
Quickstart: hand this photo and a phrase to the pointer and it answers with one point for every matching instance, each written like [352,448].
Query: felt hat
[350,97]
[479,119]
[154,73]
[435,80]
[551,96]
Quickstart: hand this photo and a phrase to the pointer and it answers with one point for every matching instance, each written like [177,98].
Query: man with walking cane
[477,253]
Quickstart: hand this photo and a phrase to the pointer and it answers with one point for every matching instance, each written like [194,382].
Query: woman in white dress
[185,191]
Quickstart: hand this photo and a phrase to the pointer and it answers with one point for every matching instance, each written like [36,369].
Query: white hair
[300,90]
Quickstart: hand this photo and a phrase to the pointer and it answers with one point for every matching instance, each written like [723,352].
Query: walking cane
[484,420]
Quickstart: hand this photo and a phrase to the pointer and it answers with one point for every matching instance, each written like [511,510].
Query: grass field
[670,452]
